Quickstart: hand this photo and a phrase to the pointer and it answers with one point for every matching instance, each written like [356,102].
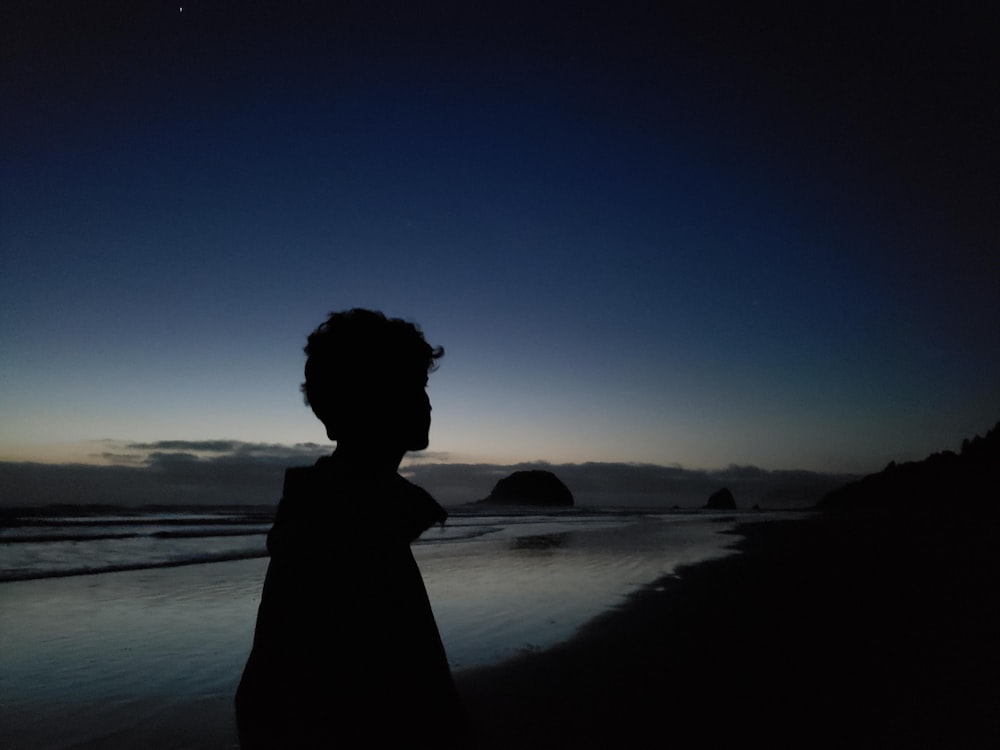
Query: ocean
[112,619]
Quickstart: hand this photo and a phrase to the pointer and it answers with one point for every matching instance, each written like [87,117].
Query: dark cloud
[207,446]
[161,458]
[456,483]
[308,452]
[178,482]
[127,459]
[641,485]
[203,456]
[230,448]
[424,456]
[251,473]
[181,472]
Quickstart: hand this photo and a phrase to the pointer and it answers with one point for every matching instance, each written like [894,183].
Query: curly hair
[357,355]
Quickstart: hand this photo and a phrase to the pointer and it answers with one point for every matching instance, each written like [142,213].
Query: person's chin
[419,444]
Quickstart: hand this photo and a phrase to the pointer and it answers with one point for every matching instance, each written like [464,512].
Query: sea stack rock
[533,487]
[721,500]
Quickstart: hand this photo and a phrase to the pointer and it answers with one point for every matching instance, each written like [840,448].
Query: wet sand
[841,631]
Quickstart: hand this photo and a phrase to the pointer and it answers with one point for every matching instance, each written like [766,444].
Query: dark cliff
[956,481]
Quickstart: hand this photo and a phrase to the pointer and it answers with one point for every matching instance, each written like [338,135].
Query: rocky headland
[533,487]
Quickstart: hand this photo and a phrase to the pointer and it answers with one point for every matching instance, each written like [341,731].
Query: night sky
[674,233]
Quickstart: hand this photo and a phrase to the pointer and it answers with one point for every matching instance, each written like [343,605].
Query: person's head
[365,379]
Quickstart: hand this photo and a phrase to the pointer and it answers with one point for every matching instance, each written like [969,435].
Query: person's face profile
[398,416]
[415,413]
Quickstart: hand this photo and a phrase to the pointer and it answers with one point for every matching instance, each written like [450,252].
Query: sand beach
[854,630]
[837,630]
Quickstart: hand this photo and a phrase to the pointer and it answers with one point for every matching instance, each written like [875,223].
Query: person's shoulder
[301,513]
[416,510]
[305,481]
[300,480]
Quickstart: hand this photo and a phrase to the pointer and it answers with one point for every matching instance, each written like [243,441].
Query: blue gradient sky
[648,234]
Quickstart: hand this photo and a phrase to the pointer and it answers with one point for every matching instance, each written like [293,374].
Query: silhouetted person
[346,652]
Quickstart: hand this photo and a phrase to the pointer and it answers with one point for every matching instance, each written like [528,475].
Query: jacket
[346,652]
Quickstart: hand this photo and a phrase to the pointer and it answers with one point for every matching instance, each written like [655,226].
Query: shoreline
[841,630]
